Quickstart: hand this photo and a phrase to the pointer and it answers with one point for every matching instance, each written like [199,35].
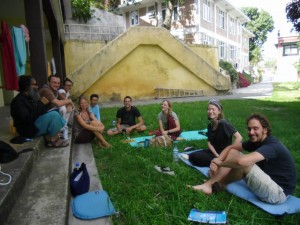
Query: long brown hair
[170,106]
[79,100]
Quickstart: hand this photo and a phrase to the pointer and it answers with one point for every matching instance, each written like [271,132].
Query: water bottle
[114,123]
[77,165]
[175,153]
[66,136]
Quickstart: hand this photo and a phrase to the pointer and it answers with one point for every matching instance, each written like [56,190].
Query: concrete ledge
[84,153]
[19,169]
[44,199]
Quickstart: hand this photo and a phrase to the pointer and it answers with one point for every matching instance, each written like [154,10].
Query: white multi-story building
[209,22]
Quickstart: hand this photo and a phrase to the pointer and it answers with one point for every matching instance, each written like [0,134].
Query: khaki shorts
[264,187]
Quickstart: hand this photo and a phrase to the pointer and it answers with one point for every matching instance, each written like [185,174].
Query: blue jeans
[50,123]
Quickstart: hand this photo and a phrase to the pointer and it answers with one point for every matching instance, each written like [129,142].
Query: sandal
[57,144]
[165,170]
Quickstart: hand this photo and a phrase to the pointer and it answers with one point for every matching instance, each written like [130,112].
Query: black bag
[79,181]
[8,153]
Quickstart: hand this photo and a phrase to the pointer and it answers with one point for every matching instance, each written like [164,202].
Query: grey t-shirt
[164,118]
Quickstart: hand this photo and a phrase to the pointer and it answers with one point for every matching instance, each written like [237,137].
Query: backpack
[79,180]
[8,153]
[161,141]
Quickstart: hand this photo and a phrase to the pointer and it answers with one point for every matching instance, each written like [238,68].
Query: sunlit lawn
[144,196]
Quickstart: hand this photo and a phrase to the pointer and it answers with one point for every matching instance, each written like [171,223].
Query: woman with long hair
[87,126]
[168,121]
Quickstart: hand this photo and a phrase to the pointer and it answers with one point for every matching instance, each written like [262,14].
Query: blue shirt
[96,111]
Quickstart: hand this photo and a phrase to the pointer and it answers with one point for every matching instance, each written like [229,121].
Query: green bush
[81,9]
[230,69]
[248,77]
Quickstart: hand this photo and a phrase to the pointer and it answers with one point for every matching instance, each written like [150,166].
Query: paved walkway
[259,90]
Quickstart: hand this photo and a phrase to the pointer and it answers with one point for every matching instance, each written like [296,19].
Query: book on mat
[208,217]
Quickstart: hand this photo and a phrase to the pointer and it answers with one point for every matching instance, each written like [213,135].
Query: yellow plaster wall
[208,53]
[77,52]
[140,60]
[144,69]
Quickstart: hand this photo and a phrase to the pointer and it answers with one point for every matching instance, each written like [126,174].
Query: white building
[209,22]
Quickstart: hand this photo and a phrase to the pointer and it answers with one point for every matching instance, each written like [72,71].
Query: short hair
[67,80]
[263,121]
[25,83]
[50,77]
[93,96]
[127,97]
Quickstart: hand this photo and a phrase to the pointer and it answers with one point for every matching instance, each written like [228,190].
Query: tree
[261,23]
[292,10]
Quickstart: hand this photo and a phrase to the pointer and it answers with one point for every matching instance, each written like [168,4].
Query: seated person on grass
[126,119]
[94,107]
[168,122]
[86,126]
[30,116]
[219,136]
[269,170]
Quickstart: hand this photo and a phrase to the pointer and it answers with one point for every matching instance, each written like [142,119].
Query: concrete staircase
[39,191]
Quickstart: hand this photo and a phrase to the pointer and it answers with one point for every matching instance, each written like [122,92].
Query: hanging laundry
[27,37]
[19,50]
[8,60]
[53,67]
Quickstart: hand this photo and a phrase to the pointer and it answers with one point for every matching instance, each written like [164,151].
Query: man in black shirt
[126,119]
[269,170]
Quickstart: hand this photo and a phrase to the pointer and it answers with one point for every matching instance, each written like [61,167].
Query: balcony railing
[92,32]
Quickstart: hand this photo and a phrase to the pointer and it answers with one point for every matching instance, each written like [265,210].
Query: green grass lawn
[144,196]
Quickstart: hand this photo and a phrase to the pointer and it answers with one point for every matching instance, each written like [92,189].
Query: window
[134,17]
[207,40]
[232,26]
[163,10]
[206,10]
[221,19]
[291,49]
[175,11]
[151,11]
[221,50]
[232,53]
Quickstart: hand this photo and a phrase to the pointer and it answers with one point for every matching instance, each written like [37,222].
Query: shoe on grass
[165,170]
[185,156]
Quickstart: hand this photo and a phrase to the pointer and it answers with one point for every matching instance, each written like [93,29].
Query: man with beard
[30,116]
[269,170]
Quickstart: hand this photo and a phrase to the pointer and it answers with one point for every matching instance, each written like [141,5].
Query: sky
[276,8]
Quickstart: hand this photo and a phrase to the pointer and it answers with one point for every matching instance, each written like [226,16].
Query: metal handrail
[92,32]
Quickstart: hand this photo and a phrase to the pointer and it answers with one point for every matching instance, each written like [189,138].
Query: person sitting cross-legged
[269,170]
[30,116]
[126,117]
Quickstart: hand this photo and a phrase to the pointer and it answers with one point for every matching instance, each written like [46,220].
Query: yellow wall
[140,73]
[77,52]
[140,60]
[208,53]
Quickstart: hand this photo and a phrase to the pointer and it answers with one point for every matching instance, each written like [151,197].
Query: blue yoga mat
[240,189]
[187,135]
